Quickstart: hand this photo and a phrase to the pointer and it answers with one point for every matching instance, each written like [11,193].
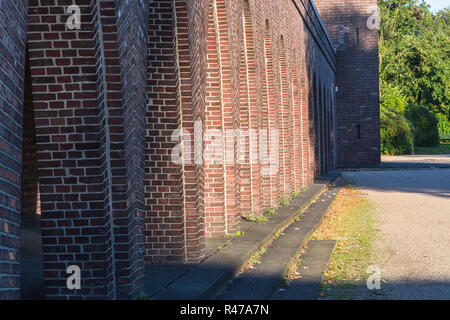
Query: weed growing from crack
[285,202]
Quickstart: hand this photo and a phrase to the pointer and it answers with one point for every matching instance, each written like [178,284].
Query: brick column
[89,105]
[164,197]
[12,71]
[191,20]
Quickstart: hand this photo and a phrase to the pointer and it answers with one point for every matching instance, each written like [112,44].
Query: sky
[438,4]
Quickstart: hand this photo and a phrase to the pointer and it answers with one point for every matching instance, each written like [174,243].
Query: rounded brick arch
[250,88]
[286,134]
[297,152]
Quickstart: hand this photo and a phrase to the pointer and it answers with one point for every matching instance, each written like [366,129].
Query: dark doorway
[31,263]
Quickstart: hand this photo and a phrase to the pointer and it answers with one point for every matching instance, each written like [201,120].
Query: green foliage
[443,148]
[296,194]
[256,258]
[393,99]
[425,126]
[258,219]
[142,295]
[239,233]
[396,133]
[272,212]
[443,124]
[261,219]
[285,202]
[415,52]
[414,56]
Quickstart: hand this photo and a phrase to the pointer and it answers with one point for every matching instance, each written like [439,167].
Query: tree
[414,46]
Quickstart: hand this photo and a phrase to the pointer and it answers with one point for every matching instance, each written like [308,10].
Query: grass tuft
[142,295]
[258,219]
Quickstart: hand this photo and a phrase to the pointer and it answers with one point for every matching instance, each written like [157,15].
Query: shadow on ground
[434,182]
[416,161]
[159,276]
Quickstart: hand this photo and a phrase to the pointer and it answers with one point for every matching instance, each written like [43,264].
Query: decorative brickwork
[164,223]
[158,124]
[13,16]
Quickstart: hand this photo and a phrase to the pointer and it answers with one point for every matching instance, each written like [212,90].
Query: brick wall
[89,106]
[12,72]
[110,106]
[357,106]
[230,65]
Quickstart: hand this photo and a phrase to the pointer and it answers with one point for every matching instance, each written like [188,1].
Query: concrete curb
[207,278]
[262,282]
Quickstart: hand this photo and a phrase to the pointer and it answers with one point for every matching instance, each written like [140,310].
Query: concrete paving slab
[313,264]
[158,276]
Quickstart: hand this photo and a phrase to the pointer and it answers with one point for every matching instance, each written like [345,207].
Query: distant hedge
[443,125]
[396,133]
[425,126]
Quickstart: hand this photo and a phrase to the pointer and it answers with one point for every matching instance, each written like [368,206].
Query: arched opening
[244,119]
[285,128]
[322,132]
[305,101]
[270,121]
[296,123]
[311,131]
[325,129]
[317,126]
[250,115]
[328,110]
[31,253]
[332,129]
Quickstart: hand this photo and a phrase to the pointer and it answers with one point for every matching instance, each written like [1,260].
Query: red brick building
[154,125]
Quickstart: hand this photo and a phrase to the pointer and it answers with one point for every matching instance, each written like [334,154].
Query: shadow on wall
[31,250]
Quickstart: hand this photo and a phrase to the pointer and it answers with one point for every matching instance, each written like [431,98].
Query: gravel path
[418,159]
[414,240]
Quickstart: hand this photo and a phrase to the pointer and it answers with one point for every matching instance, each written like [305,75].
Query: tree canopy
[414,49]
